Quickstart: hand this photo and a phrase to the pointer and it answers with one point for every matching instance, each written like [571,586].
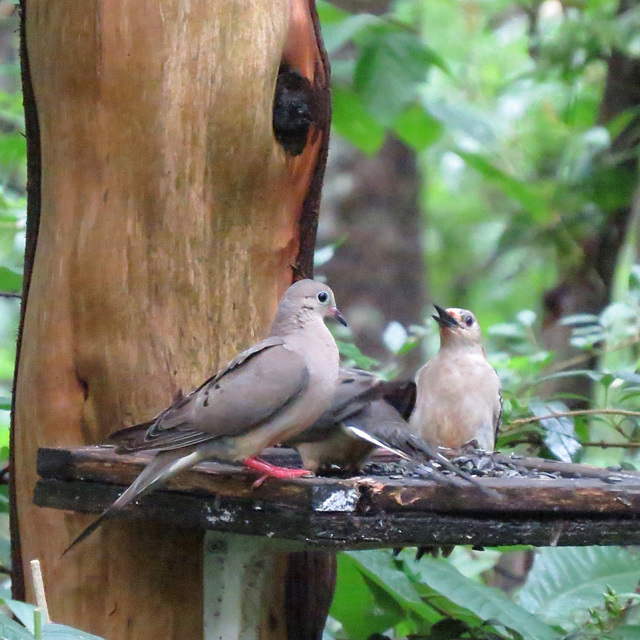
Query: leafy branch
[577,412]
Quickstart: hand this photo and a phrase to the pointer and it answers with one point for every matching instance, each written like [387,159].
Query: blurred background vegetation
[484,155]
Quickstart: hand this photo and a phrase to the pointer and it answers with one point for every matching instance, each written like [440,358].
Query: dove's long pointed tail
[162,466]
[411,447]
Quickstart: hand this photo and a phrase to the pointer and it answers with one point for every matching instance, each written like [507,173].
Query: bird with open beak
[458,392]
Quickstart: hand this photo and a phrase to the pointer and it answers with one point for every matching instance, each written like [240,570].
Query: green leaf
[24,612]
[532,201]
[350,351]
[391,65]
[361,608]
[5,550]
[565,581]
[10,280]
[4,503]
[351,120]
[616,125]
[11,630]
[340,27]
[560,436]
[626,632]
[487,603]
[21,610]
[579,318]
[13,150]
[380,566]
[417,128]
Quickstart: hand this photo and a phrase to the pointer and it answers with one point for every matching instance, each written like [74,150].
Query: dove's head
[458,327]
[307,300]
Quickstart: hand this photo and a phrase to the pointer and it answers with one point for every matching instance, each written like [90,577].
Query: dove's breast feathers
[458,401]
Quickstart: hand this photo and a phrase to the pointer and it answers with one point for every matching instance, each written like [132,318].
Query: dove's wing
[250,390]
[356,389]
[349,397]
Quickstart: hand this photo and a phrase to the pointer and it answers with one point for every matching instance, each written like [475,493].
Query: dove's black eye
[468,321]
[323,297]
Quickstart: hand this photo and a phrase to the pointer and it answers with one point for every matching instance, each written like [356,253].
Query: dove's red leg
[271,471]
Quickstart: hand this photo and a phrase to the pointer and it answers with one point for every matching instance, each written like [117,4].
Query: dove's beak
[337,315]
[444,318]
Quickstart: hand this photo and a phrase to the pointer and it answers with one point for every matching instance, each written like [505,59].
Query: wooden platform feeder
[247,528]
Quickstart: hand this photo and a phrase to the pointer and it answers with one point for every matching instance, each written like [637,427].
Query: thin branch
[595,352]
[7,294]
[578,412]
[614,445]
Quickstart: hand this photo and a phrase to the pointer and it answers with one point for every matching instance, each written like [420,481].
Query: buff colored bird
[459,400]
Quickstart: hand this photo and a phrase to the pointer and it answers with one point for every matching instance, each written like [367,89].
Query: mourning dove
[362,405]
[268,393]
[366,412]
[459,399]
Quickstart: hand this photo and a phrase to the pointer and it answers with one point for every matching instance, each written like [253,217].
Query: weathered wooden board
[359,512]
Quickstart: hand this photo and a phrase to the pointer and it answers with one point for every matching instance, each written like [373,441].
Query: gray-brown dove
[366,412]
[268,393]
[459,399]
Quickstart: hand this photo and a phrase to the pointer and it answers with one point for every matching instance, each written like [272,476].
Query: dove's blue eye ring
[323,297]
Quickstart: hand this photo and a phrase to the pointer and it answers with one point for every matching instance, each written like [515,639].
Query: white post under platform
[241,577]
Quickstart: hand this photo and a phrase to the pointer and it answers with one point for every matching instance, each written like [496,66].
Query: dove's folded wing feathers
[252,395]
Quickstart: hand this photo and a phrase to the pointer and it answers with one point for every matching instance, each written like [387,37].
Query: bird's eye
[468,321]
[323,297]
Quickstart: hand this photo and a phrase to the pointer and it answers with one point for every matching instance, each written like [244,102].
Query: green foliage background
[500,100]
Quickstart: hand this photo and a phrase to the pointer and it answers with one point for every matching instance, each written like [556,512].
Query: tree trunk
[379,272]
[163,228]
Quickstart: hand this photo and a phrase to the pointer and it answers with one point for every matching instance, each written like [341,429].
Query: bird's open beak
[444,318]
[337,315]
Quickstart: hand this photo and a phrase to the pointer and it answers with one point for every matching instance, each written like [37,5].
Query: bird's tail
[162,466]
[411,447]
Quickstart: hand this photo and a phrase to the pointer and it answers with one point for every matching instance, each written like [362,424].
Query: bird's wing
[498,415]
[357,388]
[401,395]
[250,390]
[349,397]
[135,438]
[351,391]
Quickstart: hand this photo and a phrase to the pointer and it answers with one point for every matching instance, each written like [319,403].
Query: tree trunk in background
[587,289]
[165,225]
[378,274]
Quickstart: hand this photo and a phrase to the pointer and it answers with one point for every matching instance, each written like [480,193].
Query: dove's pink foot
[271,471]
